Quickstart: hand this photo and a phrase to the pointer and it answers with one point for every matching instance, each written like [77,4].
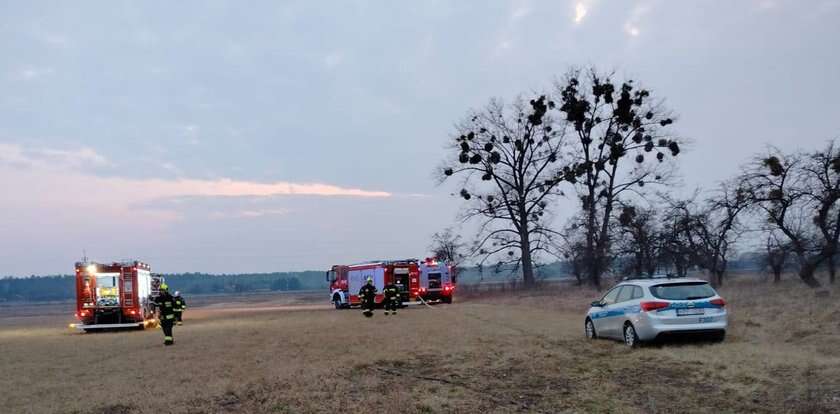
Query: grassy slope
[514,353]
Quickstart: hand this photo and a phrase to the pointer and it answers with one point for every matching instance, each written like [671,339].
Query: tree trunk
[712,276]
[711,268]
[602,249]
[639,265]
[590,259]
[577,271]
[601,260]
[831,269]
[719,277]
[806,273]
[527,263]
[777,275]
[682,269]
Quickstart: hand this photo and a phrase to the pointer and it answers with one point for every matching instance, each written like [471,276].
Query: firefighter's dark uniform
[368,296]
[166,307]
[180,306]
[392,298]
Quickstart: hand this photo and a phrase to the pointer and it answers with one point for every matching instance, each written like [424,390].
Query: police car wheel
[589,327]
[630,337]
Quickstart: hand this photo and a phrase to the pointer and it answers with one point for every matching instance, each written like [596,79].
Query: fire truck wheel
[447,299]
[337,301]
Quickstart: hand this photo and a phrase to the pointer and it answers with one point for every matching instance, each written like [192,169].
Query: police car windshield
[683,291]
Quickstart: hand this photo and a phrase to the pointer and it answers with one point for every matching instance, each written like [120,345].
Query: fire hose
[424,302]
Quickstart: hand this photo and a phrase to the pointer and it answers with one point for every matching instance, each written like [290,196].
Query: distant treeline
[62,287]
[749,262]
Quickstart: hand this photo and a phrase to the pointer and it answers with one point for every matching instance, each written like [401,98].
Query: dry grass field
[517,352]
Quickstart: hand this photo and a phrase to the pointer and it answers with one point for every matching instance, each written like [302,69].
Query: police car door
[621,308]
[615,312]
[601,317]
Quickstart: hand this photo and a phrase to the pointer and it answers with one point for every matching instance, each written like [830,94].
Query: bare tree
[506,157]
[712,228]
[821,171]
[571,247]
[776,255]
[674,249]
[787,199]
[621,139]
[639,239]
[448,247]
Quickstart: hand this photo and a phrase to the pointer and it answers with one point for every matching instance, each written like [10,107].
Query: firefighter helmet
[164,286]
[369,280]
[177,293]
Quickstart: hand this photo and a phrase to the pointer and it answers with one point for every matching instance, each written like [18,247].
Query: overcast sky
[229,136]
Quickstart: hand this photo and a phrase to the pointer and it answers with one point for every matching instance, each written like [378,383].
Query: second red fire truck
[437,281]
[346,280]
[428,280]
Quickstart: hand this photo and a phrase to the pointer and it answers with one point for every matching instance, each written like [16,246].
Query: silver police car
[643,310]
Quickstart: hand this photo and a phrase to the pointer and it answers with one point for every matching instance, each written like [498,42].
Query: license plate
[687,312]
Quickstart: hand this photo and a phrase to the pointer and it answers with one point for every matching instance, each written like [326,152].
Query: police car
[642,310]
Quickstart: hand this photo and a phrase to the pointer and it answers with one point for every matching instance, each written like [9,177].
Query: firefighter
[166,313]
[180,306]
[392,298]
[368,296]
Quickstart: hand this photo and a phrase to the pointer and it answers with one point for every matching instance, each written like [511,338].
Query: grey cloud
[364,95]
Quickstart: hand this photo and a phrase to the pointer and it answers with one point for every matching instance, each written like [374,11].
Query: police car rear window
[683,291]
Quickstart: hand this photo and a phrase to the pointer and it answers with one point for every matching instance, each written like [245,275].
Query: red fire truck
[116,295]
[346,280]
[437,281]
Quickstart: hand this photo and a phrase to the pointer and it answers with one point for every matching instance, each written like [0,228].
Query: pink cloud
[54,209]
[49,158]
[62,168]
[233,188]
[52,183]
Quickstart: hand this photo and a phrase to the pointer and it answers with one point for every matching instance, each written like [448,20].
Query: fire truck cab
[346,280]
[437,281]
[116,295]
